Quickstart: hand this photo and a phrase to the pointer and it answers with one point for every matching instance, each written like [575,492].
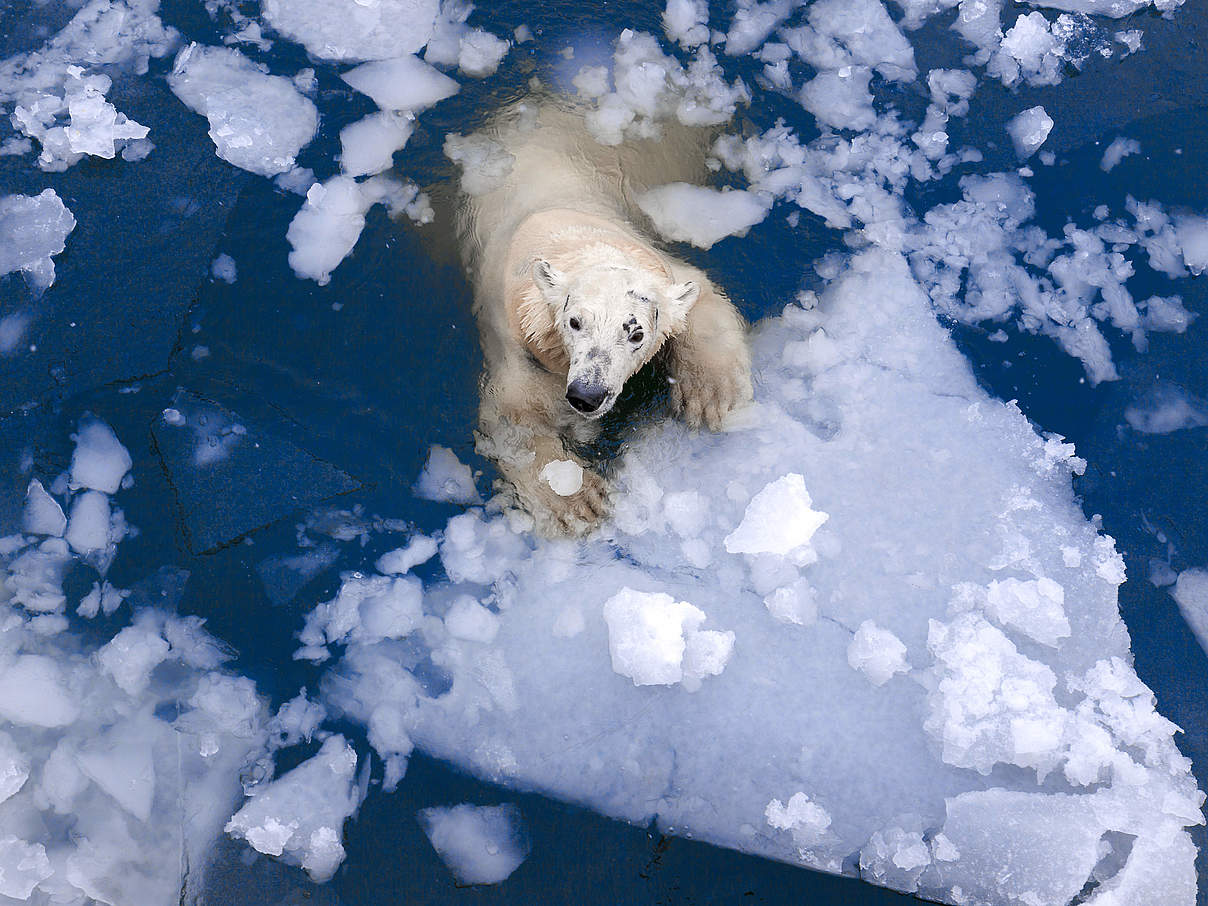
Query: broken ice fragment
[700,215]
[99,461]
[403,83]
[479,844]
[33,229]
[778,520]
[42,515]
[1028,130]
[877,652]
[446,478]
[654,640]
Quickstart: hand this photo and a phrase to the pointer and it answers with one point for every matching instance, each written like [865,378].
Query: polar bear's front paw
[571,514]
[704,396]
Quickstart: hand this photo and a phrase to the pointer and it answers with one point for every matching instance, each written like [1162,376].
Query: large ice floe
[893,594]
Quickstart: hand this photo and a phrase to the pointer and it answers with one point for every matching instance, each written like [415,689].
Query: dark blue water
[343,388]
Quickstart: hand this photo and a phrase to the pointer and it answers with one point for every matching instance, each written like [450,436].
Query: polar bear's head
[604,323]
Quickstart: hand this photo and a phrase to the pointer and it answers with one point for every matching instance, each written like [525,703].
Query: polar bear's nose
[585,397]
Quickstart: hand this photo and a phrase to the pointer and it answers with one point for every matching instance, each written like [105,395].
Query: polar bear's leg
[709,362]
[516,429]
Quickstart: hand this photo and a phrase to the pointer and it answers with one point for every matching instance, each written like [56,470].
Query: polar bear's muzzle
[587,397]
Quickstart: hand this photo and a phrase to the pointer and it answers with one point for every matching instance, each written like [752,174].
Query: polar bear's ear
[548,279]
[683,296]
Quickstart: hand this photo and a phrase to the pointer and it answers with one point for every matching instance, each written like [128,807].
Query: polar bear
[572,299]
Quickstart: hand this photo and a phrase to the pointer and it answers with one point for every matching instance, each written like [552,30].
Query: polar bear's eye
[574,324]
[636,336]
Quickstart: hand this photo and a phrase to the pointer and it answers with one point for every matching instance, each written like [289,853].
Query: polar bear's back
[557,164]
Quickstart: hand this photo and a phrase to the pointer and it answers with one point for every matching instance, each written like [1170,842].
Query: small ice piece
[33,229]
[1191,594]
[419,549]
[1034,607]
[793,604]
[654,640]
[702,216]
[224,268]
[350,30]
[479,844]
[1192,233]
[1028,130]
[445,478]
[326,228]
[300,816]
[480,53]
[592,81]
[778,520]
[258,122]
[23,866]
[34,692]
[1164,409]
[687,22]
[806,820]
[753,22]
[877,652]
[42,514]
[368,145]
[1117,151]
[404,83]
[88,530]
[564,476]
[484,163]
[131,655]
[99,461]
[470,621]
[366,609]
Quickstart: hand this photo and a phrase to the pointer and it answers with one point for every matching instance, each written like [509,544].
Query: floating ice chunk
[700,215]
[99,461]
[592,81]
[479,844]
[354,29]
[258,122]
[88,531]
[1191,594]
[403,83]
[326,229]
[14,768]
[1034,607]
[793,603]
[1032,50]
[480,53]
[778,520]
[35,577]
[1164,409]
[805,819]
[131,655]
[687,22]
[34,692]
[469,620]
[224,268]
[1119,149]
[122,764]
[655,640]
[446,478]
[564,476]
[419,549]
[877,652]
[366,609]
[33,229]
[484,163]
[1192,232]
[300,816]
[841,33]
[368,145]
[23,866]
[753,22]
[1028,130]
[841,98]
[42,514]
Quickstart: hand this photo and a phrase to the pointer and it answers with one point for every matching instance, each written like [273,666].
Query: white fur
[569,291]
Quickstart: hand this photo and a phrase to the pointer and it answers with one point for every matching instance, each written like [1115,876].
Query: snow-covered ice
[258,122]
[481,844]
[401,83]
[368,145]
[353,30]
